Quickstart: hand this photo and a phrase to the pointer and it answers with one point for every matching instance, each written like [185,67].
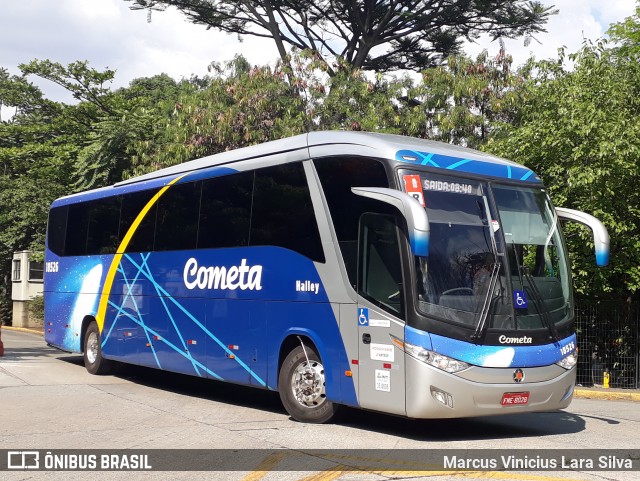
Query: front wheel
[301,383]
[93,360]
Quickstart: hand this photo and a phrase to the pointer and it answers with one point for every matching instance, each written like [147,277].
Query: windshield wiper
[537,299]
[486,305]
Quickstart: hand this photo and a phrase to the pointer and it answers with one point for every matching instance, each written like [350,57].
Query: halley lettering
[215,277]
[307,286]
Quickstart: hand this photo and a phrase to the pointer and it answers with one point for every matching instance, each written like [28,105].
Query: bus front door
[381,378]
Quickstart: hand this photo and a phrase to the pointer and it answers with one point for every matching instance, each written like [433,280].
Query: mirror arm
[600,234]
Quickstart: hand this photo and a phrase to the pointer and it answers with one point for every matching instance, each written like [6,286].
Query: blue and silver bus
[337,268]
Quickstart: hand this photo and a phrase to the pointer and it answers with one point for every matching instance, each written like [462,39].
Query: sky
[109,35]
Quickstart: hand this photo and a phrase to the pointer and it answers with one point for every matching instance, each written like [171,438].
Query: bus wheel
[302,387]
[93,360]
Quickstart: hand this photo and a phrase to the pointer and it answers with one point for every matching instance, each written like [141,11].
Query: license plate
[515,398]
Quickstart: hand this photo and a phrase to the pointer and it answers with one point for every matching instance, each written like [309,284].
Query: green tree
[461,100]
[370,35]
[38,146]
[240,106]
[354,100]
[111,122]
[627,35]
[48,149]
[138,115]
[580,130]
[18,95]
[84,83]
[88,86]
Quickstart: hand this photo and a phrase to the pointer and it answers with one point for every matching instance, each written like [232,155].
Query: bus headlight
[434,359]
[569,361]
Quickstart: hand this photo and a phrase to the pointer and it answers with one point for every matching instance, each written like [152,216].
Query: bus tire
[302,387]
[93,360]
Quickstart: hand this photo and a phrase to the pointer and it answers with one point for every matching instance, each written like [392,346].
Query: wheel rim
[92,347]
[308,385]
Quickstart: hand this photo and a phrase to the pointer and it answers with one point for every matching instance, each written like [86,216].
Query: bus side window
[225,211]
[380,272]
[283,214]
[104,217]
[132,205]
[89,228]
[77,229]
[57,229]
[177,218]
[337,176]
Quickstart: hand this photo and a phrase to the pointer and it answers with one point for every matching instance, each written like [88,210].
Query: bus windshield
[465,257]
[501,267]
[537,256]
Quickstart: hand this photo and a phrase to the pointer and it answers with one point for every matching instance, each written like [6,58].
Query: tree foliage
[627,35]
[240,106]
[371,35]
[49,149]
[580,130]
[139,112]
[463,99]
[249,105]
[37,148]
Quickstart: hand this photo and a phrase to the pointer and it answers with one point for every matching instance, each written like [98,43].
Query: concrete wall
[23,289]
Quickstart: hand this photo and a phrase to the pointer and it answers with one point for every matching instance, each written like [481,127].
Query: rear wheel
[93,360]
[302,387]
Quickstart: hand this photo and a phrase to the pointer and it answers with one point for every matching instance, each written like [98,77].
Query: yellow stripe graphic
[108,283]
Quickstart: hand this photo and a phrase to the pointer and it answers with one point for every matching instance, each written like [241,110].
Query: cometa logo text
[215,277]
[515,340]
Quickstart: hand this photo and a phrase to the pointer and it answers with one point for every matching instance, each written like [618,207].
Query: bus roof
[404,150]
[392,147]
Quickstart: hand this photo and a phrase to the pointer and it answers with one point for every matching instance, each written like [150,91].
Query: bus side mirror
[600,234]
[411,210]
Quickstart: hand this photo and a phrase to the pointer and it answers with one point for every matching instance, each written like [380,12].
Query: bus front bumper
[432,393]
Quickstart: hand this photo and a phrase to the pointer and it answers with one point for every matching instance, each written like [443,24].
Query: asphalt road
[49,401]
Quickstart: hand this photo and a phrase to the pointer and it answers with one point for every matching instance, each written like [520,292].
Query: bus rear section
[226,290]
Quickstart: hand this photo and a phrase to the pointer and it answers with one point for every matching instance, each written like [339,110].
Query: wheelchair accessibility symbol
[520,299]
[363,316]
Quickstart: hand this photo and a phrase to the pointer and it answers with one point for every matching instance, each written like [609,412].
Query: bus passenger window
[132,205]
[104,217]
[283,214]
[177,221]
[77,228]
[57,229]
[225,211]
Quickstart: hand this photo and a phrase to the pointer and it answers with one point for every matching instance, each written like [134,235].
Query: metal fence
[608,339]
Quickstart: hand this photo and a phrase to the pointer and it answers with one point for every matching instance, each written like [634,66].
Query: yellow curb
[24,329]
[607,395]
